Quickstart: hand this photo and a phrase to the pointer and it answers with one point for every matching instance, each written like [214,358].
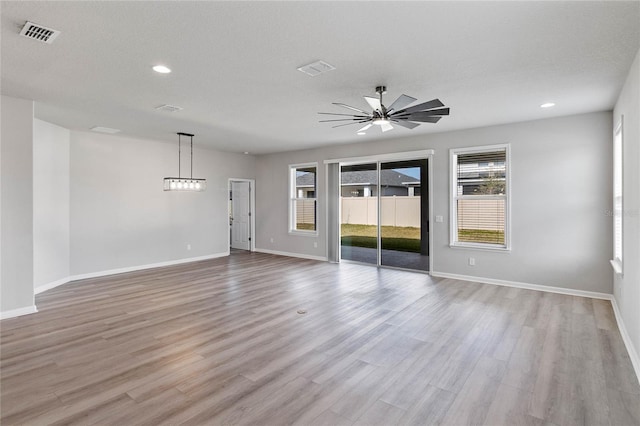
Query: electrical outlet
[439,219]
[188,246]
[271,240]
[315,244]
[472,261]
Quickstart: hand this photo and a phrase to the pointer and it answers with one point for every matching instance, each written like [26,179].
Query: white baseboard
[284,253]
[49,286]
[537,287]
[633,354]
[60,282]
[148,266]
[18,312]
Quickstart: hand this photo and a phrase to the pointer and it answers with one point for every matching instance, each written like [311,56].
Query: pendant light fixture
[184,184]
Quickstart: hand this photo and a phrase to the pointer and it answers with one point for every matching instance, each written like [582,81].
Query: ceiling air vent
[169,108]
[39,33]
[316,68]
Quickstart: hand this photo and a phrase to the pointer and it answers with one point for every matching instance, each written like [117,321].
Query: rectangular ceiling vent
[39,33]
[169,108]
[316,68]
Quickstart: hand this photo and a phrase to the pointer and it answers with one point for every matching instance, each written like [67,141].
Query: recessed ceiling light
[169,108]
[107,130]
[161,69]
[547,105]
[246,152]
[361,133]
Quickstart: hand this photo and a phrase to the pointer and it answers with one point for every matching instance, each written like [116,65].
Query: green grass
[306,226]
[393,237]
[410,232]
[407,238]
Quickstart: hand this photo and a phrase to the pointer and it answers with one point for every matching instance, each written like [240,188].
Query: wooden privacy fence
[405,211]
[396,211]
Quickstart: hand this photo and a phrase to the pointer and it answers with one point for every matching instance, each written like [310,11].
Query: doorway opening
[241,217]
[384,213]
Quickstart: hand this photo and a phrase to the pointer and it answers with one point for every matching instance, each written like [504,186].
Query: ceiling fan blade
[439,111]
[373,102]
[386,126]
[350,107]
[348,115]
[357,120]
[424,118]
[434,103]
[365,127]
[405,123]
[401,102]
[348,124]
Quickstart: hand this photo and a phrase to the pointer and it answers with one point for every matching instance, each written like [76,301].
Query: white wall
[561,192]
[122,218]
[16,240]
[50,203]
[627,288]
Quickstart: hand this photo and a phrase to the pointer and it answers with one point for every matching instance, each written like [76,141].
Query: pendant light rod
[180,183]
[191,135]
[179,162]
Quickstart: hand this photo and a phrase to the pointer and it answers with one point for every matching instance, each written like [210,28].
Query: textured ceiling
[234,64]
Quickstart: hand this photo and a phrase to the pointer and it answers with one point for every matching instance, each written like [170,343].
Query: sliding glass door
[384,214]
[404,224]
[359,213]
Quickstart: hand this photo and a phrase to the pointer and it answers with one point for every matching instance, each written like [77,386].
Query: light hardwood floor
[221,342]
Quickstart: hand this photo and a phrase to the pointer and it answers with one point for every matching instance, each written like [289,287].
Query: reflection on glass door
[404,210]
[359,213]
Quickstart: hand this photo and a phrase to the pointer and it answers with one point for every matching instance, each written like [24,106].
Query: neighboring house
[364,184]
[481,178]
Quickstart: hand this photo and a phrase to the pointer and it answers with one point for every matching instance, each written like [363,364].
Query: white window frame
[293,197]
[453,210]
[618,198]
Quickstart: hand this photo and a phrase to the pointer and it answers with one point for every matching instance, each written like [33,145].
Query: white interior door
[240,216]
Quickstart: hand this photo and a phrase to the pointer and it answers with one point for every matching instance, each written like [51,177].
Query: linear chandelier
[184,184]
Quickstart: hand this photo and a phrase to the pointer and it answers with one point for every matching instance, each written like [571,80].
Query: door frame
[252,212]
[382,158]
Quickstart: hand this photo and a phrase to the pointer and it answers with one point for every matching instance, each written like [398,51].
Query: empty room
[320,213]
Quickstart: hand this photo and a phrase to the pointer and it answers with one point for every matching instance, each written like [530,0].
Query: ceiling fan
[396,113]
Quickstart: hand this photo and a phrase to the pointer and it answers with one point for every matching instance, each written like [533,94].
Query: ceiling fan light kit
[398,113]
[185,184]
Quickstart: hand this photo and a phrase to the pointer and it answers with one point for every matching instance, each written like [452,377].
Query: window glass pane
[617,195]
[303,198]
[305,182]
[482,173]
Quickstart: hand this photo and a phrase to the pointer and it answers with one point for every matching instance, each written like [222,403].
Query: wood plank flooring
[221,342]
